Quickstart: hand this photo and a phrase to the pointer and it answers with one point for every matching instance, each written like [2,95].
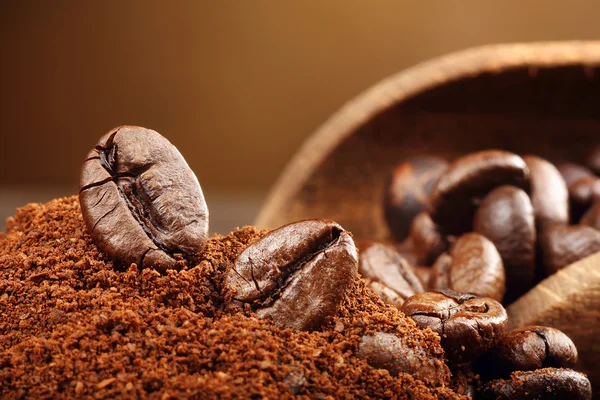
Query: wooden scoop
[540,98]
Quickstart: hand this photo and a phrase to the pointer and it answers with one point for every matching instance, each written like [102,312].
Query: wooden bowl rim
[405,84]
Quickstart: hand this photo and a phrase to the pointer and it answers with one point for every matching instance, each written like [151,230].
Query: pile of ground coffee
[72,324]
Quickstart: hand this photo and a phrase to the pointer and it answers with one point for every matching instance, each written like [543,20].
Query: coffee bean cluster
[475,227]
[493,223]
[479,232]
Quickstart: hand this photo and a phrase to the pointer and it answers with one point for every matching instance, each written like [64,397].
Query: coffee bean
[474,266]
[297,274]
[140,201]
[549,194]
[386,294]
[572,172]
[563,245]
[407,191]
[592,216]
[424,274]
[407,250]
[547,383]
[506,218]
[427,240]
[382,264]
[582,194]
[535,347]
[593,160]
[395,354]
[468,326]
[458,191]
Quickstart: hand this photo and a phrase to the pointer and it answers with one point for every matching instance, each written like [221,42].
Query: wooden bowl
[540,98]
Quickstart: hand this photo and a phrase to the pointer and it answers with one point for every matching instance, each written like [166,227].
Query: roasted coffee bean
[395,354]
[407,250]
[593,160]
[592,216]
[563,245]
[506,218]
[427,240]
[407,191]
[583,193]
[549,194]
[297,274]
[382,264]
[458,191]
[474,266]
[140,201]
[386,294]
[572,172]
[535,347]
[424,274]
[468,326]
[547,383]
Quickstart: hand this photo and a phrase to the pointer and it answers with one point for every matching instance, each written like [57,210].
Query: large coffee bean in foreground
[140,200]
[297,274]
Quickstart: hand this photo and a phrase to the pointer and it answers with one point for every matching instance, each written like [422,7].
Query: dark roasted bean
[563,245]
[506,218]
[456,194]
[549,194]
[382,264]
[427,240]
[140,200]
[388,351]
[467,325]
[407,191]
[297,274]
[547,383]
[474,266]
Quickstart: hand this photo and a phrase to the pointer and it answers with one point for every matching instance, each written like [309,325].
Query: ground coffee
[74,324]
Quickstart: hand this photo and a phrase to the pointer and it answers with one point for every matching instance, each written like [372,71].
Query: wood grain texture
[570,301]
[539,98]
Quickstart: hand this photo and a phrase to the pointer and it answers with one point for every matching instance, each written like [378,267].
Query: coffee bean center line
[546,345]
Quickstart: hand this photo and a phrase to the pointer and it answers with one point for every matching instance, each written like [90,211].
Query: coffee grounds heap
[73,324]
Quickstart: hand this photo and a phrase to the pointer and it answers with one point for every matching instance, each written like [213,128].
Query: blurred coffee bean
[395,354]
[572,172]
[592,216]
[382,264]
[140,200]
[468,326]
[297,274]
[582,194]
[440,273]
[563,245]
[534,347]
[549,194]
[427,241]
[474,266]
[407,250]
[547,383]
[387,295]
[458,191]
[506,218]
[407,192]
[593,160]
[424,274]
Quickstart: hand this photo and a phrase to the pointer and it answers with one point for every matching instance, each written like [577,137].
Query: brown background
[236,85]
